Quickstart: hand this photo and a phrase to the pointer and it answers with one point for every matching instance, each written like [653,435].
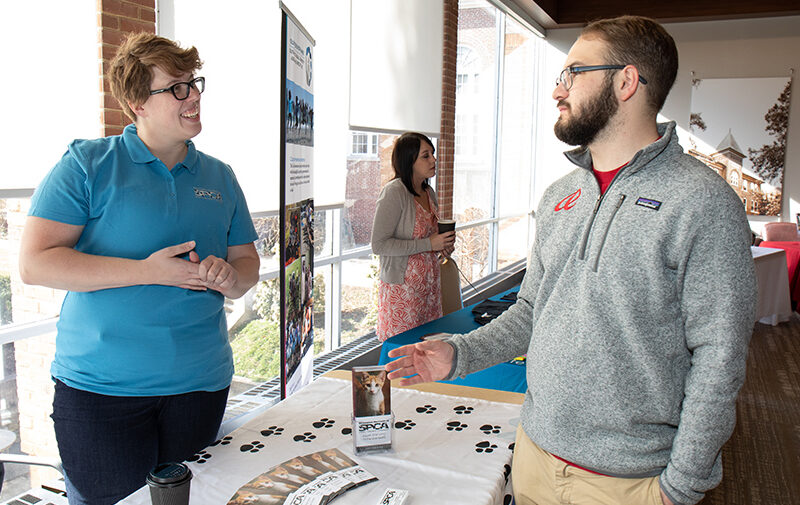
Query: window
[359,143]
[494,128]
[734,179]
[364,144]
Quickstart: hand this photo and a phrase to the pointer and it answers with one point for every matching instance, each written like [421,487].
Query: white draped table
[774,303]
[452,445]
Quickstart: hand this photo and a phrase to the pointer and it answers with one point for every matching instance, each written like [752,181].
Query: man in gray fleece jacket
[638,302]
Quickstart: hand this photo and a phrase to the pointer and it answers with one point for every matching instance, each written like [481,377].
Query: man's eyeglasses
[567,75]
[181,90]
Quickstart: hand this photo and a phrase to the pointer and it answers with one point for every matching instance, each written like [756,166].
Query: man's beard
[584,125]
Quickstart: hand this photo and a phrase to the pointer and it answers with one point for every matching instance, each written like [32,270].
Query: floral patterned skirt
[413,303]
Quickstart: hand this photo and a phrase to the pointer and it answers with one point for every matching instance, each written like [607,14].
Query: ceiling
[572,13]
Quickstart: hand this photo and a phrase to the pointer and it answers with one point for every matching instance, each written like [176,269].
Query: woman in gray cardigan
[405,236]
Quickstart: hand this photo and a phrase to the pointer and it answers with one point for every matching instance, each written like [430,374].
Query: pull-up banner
[296,204]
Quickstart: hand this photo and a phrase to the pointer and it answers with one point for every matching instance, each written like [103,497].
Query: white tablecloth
[774,304]
[447,449]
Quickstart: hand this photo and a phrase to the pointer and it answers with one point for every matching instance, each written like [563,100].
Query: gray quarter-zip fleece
[635,313]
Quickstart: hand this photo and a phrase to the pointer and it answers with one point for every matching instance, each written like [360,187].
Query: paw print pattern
[253,446]
[323,423]
[456,426]
[347,431]
[462,410]
[272,430]
[506,472]
[408,424]
[426,409]
[511,446]
[201,457]
[305,437]
[490,428]
[485,447]
[222,441]
[508,499]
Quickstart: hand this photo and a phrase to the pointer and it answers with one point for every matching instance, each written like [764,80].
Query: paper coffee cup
[446,225]
[169,484]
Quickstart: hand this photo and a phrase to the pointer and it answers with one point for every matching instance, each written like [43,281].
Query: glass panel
[323,240]
[472,253]
[26,401]
[268,229]
[476,69]
[20,303]
[365,177]
[512,243]
[322,281]
[255,337]
[359,297]
[516,146]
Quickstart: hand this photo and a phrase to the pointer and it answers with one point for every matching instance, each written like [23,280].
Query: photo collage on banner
[297,203]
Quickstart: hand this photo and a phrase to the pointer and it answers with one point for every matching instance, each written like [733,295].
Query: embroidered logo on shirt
[568,201]
[207,194]
[650,204]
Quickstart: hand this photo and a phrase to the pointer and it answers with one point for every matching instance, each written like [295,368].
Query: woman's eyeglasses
[181,90]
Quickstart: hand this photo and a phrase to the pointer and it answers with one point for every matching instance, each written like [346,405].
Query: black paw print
[408,424]
[506,472]
[323,423]
[347,431]
[305,437]
[426,409]
[201,457]
[511,446]
[485,447]
[455,425]
[508,499]
[489,428]
[253,446]
[461,409]
[222,441]
[272,430]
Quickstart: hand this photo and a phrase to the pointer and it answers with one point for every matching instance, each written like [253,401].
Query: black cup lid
[169,473]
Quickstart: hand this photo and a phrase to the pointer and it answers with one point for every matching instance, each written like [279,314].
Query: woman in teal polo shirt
[148,236]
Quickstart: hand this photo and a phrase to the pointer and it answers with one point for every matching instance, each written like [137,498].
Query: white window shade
[49,86]
[396,65]
[241,105]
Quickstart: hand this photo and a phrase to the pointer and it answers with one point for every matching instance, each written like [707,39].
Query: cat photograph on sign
[372,413]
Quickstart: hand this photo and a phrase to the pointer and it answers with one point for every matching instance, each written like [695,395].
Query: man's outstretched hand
[430,360]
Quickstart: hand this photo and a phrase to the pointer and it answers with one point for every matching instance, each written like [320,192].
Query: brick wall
[115,18]
[446,150]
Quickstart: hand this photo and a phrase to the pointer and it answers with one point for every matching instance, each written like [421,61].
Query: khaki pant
[541,479]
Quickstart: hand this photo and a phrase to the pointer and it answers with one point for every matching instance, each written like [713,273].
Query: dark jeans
[108,444]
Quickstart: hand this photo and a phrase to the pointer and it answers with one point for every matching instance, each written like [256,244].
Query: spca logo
[387,499]
[380,425]
[207,194]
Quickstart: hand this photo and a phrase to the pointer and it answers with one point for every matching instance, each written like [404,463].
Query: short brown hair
[131,71]
[643,43]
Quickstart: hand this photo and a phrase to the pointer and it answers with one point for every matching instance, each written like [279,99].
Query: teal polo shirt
[148,340]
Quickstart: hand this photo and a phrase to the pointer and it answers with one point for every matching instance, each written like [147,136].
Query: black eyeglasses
[566,75]
[181,90]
